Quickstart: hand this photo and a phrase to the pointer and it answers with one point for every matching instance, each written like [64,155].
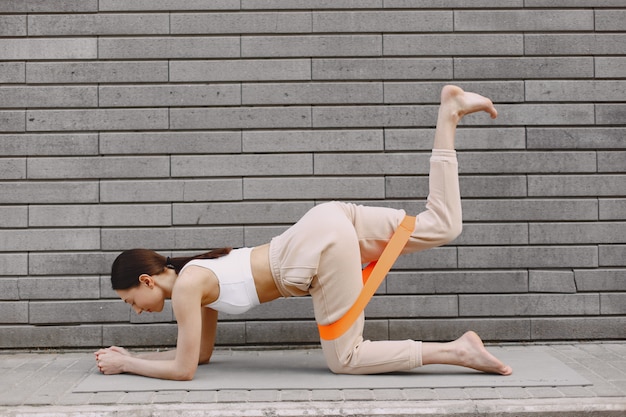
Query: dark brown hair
[131,264]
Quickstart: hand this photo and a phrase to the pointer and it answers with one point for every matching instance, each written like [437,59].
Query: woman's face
[145,297]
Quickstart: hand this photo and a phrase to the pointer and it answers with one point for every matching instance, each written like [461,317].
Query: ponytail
[131,264]
[179,262]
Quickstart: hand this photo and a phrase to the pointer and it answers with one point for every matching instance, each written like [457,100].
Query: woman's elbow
[184,373]
[452,232]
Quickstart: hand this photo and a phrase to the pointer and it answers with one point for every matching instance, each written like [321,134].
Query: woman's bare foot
[472,354]
[458,103]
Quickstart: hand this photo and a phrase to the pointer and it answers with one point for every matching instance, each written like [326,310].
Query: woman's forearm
[158,355]
[162,368]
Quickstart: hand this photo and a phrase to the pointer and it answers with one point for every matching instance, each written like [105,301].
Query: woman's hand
[111,360]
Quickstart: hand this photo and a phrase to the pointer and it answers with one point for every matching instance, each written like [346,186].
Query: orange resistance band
[377,271]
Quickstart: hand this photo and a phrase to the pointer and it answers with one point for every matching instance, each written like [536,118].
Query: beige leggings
[322,255]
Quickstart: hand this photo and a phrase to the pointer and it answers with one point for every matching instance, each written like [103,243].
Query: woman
[320,255]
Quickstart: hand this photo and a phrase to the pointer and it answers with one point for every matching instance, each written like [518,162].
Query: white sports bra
[234,274]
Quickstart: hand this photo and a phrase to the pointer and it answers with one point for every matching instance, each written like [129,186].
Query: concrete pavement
[40,384]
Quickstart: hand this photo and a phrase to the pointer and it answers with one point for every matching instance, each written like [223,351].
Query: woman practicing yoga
[320,255]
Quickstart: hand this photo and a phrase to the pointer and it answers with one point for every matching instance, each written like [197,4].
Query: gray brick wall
[183,125]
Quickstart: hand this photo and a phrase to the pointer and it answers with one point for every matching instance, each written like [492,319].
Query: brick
[409,92]
[65,96]
[607,114]
[241,22]
[313,93]
[100,215]
[528,257]
[48,144]
[169,95]
[59,288]
[42,48]
[97,72]
[453,45]
[614,161]
[60,312]
[49,239]
[239,213]
[229,334]
[437,258]
[242,165]
[371,164]
[575,3]
[537,114]
[13,312]
[612,209]
[381,68]
[13,25]
[171,190]
[406,187]
[12,72]
[168,5]
[529,305]
[412,306]
[524,20]
[523,67]
[97,119]
[313,188]
[580,138]
[557,233]
[551,281]
[8,289]
[460,4]
[33,192]
[526,162]
[12,121]
[57,6]
[612,255]
[13,216]
[579,90]
[70,263]
[13,168]
[99,167]
[573,44]
[166,47]
[133,335]
[457,282]
[530,210]
[170,142]
[613,303]
[576,185]
[383,21]
[289,331]
[51,336]
[13,264]
[240,118]
[439,330]
[610,20]
[311,46]
[373,116]
[494,234]
[493,186]
[304,4]
[200,238]
[610,67]
[98,24]
[578,328]
[312,140]
[241,70]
